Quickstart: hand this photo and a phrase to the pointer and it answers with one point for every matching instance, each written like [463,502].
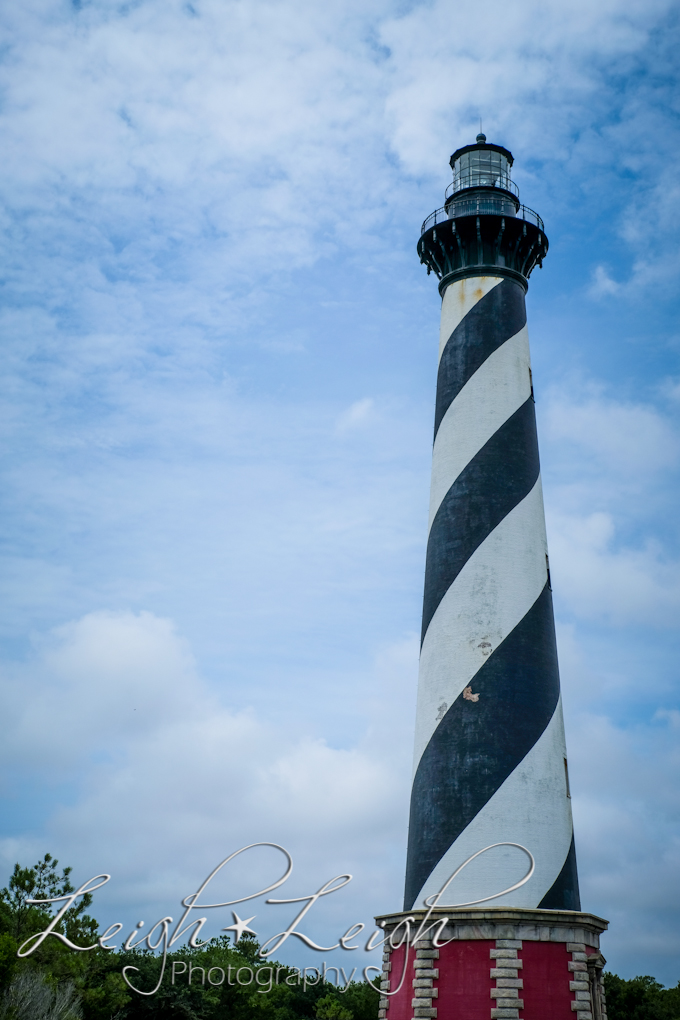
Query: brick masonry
[500,964]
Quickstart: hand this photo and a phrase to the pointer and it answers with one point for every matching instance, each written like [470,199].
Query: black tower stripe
[496,317]
[477,745]
[564,892]
[497,478]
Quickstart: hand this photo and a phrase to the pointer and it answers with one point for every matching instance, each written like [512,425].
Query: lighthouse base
[498,962]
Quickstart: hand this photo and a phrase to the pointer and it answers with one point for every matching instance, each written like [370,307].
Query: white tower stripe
[531,808]
[459,300]
[497,389]
[494,591]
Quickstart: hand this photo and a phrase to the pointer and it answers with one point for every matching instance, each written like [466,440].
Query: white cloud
[627,439]
[670,388]
[224,130]
[98,681]
[602,284]
[178,780]
[612,463]
[628,843]
[356,416]
[550,52]
[599,581]
[267,123]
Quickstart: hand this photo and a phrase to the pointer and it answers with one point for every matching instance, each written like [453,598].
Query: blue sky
[218,392]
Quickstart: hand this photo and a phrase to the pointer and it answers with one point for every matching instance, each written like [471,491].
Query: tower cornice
[492,241]
[502,922]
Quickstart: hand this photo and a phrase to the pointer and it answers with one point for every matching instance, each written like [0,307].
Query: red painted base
[496,964]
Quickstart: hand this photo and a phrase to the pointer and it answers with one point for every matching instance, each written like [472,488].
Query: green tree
[21,919]
[55,983]
[362,998]
[8,959]
[640,998]
[330,1008]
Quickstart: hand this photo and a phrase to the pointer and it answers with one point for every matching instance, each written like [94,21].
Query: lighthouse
[492,925]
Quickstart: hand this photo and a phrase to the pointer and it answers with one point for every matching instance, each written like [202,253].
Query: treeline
[227,982]
[641,998]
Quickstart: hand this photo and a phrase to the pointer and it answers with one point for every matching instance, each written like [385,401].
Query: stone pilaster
[580,983]
[505,968]
[385,982]
[425,974]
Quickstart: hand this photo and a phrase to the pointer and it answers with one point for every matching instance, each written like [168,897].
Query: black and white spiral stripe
[490,770]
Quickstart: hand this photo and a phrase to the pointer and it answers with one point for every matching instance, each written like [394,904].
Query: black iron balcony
[493,206]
